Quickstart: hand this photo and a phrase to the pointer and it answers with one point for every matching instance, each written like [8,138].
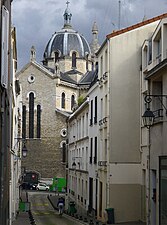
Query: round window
[31,78]
[63,132]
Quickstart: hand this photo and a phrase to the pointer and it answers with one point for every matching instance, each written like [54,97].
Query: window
[95,152]
[87,62]
[106,61]
[91,150]
[56,56]
[95,118]
[74,59]
[101,66]
[96,66]
[150,52]
[38,121]
[157,90]
[91,113]
[31,78]
[64,152]
[31,115]
[24,122]
[72,101]
[63,100]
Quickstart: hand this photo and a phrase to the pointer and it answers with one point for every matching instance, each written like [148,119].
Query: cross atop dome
[67,17]
[67,2]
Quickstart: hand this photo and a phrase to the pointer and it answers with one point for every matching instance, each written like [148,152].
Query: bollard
[85,219]
[91,222]
[80,218]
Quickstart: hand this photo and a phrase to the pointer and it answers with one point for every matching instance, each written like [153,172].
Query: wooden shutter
[4,47]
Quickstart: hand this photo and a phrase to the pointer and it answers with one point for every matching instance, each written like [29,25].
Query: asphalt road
[43,212]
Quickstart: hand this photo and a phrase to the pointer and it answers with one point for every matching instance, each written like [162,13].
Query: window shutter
[4,47]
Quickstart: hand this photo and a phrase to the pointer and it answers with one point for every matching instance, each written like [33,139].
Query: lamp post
[149,116]
[148,120]
[74,165]
[24,148]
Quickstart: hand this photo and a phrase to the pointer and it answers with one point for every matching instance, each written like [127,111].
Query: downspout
[108,126]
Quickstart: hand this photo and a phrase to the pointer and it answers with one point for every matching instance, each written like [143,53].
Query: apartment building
[5,110]
[153,137]
[17,144]
[126,180]
[78,144]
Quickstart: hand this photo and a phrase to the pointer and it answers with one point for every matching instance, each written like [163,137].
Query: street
[43,212]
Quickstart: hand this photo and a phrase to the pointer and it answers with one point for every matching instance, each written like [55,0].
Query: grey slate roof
[65,41]
[65,77]
[87,78]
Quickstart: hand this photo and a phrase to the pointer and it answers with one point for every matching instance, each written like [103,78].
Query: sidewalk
[23,217]
[87,220]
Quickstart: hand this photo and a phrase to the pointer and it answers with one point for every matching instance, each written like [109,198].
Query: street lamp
[74,165]
[148,120]
[24,150]
[149,116]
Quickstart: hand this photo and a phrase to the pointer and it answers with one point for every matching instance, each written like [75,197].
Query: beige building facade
[153,138]
[127,184]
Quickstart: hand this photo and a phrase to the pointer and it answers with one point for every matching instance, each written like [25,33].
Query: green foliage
[80,100]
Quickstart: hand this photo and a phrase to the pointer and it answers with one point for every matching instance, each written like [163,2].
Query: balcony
[103,122]
[158,58]
[102,163]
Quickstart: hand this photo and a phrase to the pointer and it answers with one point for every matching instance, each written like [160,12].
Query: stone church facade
[50,94]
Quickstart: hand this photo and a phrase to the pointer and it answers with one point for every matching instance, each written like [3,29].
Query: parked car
[42,187]
[28,186]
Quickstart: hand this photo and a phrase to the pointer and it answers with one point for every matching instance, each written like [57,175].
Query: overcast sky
[36,21]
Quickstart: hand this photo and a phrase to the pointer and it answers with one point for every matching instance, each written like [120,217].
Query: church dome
[67,40]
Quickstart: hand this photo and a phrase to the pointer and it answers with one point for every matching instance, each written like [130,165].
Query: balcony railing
[102,163]
[158,58]
[103,121]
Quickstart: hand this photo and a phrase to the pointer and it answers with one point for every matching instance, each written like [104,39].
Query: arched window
[31,115]
[63,100]
[87,62]
[56,56]
[72,101]
[64,152]
[24,122]
[74,59]
[96,66]
[38,121]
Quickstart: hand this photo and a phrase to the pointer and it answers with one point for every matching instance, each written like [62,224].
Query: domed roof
[67,40]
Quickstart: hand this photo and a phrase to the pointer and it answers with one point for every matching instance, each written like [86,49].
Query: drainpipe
[108,128]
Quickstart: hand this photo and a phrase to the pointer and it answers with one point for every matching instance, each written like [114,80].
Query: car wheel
[37,189]
[31,188]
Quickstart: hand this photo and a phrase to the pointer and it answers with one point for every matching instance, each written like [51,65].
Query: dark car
[28,186]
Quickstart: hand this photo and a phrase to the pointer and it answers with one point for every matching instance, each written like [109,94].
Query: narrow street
[43,212]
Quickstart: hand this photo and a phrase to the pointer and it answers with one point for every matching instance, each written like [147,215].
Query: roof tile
[136,25]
